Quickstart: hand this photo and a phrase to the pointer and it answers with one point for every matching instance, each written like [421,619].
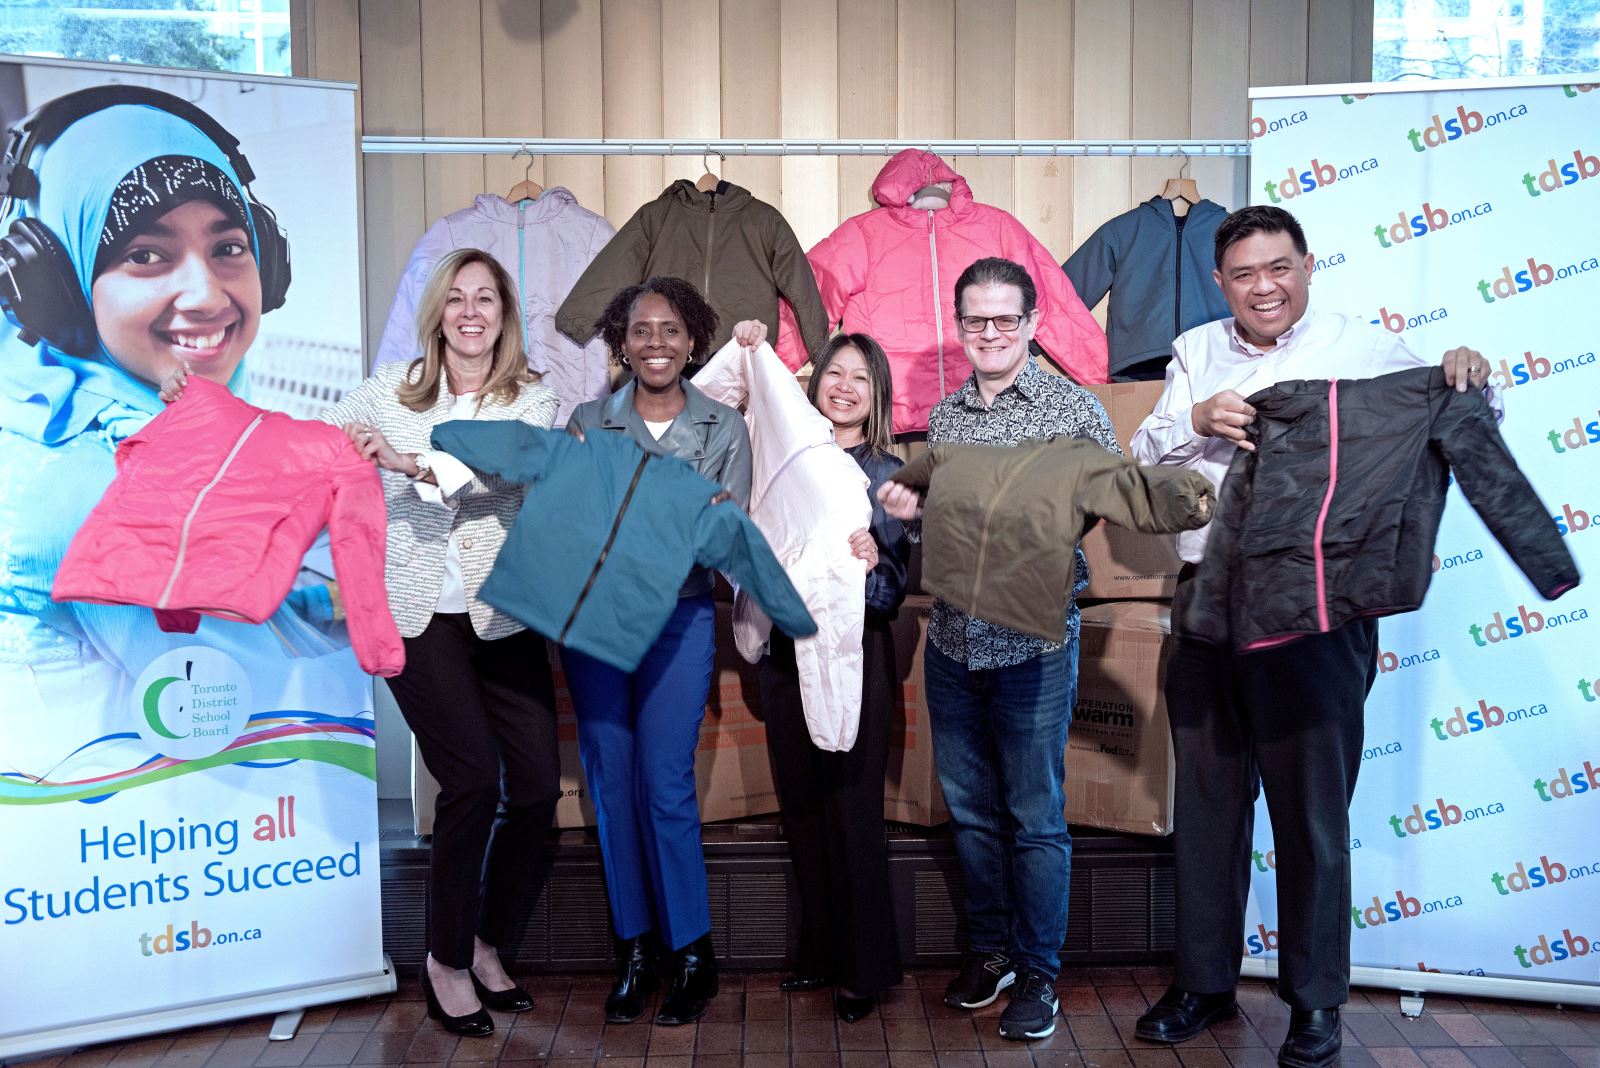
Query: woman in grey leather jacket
[637,732]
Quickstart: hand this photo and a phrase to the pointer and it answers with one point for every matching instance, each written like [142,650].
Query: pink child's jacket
[891,273]
[214,505]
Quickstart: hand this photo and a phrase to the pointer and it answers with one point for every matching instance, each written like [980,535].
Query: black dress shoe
[850,1009]
[515,999]
[636,980]
[801,981]
[474,1024]
[692,985]
[1314,1039]
[1181,1015]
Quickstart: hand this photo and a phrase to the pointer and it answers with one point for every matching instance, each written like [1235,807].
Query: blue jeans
[637,735]
[1000,738]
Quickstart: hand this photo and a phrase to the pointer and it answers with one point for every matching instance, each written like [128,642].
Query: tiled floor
[753,1023]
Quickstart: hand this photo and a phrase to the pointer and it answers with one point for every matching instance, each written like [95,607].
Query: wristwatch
[423,466]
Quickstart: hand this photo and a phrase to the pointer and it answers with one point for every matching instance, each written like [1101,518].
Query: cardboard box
[1123,564]
[1119,749]
[732,773]
[911,791]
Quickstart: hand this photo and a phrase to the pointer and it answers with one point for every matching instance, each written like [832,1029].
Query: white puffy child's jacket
[807,497]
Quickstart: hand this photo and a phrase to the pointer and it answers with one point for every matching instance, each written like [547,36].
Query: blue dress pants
[637,734]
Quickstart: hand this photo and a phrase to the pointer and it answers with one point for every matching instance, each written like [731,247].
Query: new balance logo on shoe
[983,976]
[1032,1012]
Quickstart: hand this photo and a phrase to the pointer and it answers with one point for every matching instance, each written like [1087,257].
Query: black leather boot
[636,980]
[692,983]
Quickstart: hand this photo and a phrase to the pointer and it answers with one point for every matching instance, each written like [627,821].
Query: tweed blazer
[419,531]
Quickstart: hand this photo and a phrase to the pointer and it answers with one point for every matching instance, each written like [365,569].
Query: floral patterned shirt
[1038,405]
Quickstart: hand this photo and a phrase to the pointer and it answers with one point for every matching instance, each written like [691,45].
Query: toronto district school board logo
[192,702]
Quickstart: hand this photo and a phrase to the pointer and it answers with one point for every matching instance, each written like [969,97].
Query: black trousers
[484,716]
[1289,719]
[832,808]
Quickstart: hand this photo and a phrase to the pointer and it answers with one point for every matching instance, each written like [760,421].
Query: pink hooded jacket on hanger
[214,505]
[891,273]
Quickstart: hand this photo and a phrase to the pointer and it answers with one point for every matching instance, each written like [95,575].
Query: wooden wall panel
[513,88]
[751,92]
[1341,42]
[691,81]
[1044,96]
[630,49]
[809,30]
[985,101]
[393,219]
[927,52]
[452,101]
[1278,40]
[1102,107]
[573,90]
[1161,33]
[869,93]
[1218,84]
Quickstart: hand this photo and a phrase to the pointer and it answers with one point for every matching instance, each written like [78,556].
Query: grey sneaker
[983,976]
[1032,1012]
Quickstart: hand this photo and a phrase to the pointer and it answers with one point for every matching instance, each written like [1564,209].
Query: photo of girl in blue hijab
[164,247]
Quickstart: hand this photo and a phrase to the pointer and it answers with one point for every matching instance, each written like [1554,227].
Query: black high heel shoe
[636,980]
[693,985]
[473,1025]
[515,999]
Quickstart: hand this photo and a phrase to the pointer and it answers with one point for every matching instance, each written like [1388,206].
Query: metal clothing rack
[549,146]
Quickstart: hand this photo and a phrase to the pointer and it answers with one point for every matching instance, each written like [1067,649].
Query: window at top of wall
[1483,38]
[242,36]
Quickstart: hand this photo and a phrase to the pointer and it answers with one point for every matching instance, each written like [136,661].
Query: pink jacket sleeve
[1067,332]
[356,535]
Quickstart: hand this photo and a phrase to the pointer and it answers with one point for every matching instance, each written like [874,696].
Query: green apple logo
[152,703]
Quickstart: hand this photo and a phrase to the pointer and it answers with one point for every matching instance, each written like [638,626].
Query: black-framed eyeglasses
[976,324]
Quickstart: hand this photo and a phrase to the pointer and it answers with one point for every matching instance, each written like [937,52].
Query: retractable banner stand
[188,822]
[1468,213]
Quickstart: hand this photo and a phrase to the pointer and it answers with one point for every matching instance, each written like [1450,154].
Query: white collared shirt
[1212,358]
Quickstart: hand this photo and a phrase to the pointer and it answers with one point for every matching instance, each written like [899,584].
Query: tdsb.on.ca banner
[1469,214]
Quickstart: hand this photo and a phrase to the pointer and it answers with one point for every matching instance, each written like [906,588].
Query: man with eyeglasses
[999,700]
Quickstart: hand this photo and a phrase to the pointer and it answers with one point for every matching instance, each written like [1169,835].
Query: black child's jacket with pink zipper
[1333,517]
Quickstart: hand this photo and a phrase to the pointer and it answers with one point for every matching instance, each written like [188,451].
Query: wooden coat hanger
[527,189]
[709,181]
[1181,190]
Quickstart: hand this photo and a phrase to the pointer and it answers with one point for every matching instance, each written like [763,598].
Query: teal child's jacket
[607,534]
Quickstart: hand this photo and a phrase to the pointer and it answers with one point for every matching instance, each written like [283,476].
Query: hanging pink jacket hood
[214,505]
[891,273]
